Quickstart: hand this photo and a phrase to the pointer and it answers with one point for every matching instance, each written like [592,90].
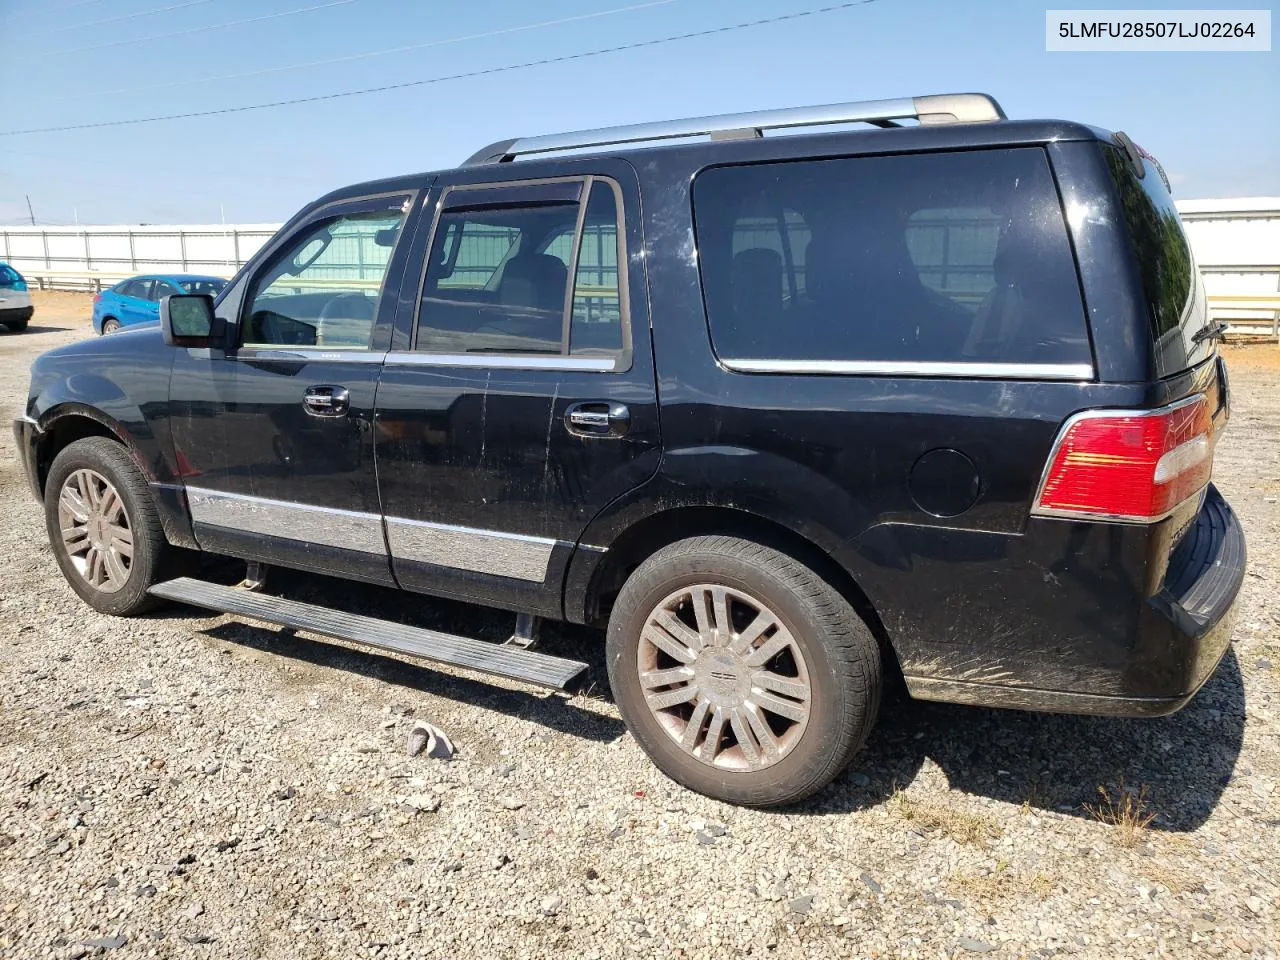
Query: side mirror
[186,319]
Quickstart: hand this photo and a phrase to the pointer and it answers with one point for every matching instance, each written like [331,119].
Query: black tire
[17,326]
[841,655]
[110,325]
[153,559]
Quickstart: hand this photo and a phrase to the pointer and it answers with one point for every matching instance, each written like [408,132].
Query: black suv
[784,414]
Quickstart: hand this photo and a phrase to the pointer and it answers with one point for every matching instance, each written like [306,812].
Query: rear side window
[926,258]
[1170,280]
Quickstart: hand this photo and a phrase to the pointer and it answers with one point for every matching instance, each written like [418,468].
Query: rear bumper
[1179,638]
[26,437]
[16,314]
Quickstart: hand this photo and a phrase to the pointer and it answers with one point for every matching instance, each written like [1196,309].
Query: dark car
[782,414]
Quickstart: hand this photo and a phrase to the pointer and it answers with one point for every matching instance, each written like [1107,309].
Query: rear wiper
[1216,332]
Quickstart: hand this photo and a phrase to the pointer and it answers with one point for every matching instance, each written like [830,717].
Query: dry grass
[943,821]
[1125,809]
[1170,877]
[1001,883]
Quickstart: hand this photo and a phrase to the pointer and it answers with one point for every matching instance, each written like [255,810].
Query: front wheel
[741,672]
[103,527]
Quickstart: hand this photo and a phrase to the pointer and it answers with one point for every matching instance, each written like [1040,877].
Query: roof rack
[943,108]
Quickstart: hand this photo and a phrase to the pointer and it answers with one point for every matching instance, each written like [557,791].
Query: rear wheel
[104,529]
[741,672]
[110,325]
[17,326]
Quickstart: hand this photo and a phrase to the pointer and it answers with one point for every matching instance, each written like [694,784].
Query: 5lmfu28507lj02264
[937,393]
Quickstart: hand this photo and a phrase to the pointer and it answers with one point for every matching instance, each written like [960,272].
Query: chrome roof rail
[944,108]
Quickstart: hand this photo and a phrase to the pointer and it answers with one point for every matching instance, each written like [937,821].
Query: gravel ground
[190,786]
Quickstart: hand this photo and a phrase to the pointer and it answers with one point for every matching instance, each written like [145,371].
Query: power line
[489,71]
[129,16]
[182,33]
[374,53]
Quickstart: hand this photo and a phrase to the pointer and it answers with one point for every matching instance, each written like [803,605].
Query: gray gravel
[190,786]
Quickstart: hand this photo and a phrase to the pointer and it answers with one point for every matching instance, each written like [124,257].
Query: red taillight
[97,297]
[1129,465]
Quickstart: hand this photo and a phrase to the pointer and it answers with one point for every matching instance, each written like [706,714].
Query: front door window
[323,289]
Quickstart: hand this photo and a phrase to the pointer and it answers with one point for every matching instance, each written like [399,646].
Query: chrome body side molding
[463,548]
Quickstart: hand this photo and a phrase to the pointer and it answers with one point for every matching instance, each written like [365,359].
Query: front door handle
[598,418]
[326,401]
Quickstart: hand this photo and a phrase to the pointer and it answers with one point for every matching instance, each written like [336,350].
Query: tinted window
[322,290]
[501,278]
[208,287]
[928,257]
[160,289]
[135,288]
[8,274]
[596,326]
[1170,280]
[491,287]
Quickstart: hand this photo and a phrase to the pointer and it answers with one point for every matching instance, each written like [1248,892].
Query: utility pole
[30,212]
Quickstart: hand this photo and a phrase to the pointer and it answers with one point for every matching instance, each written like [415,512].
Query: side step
[497,659]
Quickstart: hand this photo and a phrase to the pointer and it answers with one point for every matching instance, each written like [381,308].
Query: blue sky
[1209,117]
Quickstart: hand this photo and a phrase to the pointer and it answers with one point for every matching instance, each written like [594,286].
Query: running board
[499,660]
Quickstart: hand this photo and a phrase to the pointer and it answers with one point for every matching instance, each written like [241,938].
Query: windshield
[211,287]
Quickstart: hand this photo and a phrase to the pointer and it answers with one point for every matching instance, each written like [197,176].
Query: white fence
[89,257]
[1236,243]
[1237,246]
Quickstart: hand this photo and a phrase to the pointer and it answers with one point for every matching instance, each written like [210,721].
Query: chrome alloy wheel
[724,677]
[95,530]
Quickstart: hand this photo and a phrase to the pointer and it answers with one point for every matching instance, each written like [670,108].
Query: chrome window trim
[551,361]
[317,355]
[923,368]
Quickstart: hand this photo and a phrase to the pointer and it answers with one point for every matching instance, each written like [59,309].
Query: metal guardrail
[51,279]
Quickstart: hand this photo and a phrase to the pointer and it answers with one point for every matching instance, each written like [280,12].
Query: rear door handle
[326,401]
[598,418]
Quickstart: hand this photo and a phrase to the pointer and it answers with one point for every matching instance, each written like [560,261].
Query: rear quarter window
[1170,280]
[955,257]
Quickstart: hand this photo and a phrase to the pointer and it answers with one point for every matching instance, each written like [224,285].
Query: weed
[1125,809]
[930,819]
[1001,883]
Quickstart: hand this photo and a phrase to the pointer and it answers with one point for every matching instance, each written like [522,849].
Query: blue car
[137,300]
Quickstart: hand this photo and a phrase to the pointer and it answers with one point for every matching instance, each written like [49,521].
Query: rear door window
[135,288]
[515,273]
[890,261]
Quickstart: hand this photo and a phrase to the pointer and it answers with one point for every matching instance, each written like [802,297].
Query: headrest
[534,280]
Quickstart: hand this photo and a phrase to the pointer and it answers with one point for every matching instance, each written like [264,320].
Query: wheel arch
[590,592]
[70,422]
